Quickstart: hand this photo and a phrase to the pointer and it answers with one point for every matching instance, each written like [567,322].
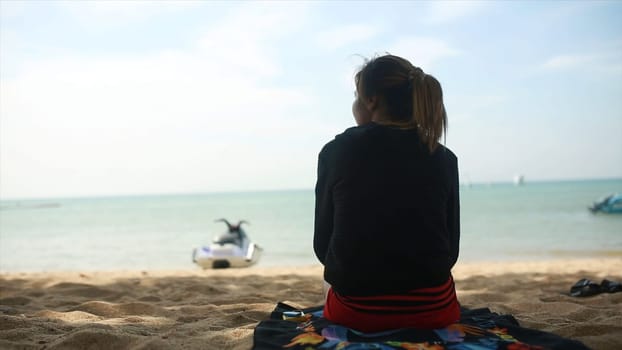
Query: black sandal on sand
[610,286]
[585,288]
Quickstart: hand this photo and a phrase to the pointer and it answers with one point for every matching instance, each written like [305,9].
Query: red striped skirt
[424,308]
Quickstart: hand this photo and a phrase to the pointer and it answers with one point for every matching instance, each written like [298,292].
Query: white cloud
[606,62]
[12,9]
[193,120]
[439,12]
[129,124]
[422,51]
[568,61]
[114,12]
[339,37]
[243,41]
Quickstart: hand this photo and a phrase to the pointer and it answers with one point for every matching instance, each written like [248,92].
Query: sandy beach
[195,309]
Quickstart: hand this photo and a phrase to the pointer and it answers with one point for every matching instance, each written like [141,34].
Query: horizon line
[224,192]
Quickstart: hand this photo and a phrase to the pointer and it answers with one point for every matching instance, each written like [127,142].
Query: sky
[155,97]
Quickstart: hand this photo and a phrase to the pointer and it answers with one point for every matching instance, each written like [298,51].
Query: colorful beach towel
[478,329]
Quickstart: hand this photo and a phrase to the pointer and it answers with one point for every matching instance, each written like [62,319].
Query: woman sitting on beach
[387,222]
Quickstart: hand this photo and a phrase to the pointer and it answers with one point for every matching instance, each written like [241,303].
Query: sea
[499,222]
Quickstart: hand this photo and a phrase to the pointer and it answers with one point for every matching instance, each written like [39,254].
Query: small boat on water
[610,204]
[519,180]
[230,249]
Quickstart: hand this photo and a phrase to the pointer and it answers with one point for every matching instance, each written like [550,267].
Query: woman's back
[390,204]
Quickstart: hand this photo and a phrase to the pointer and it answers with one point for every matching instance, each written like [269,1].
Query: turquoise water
[499,222]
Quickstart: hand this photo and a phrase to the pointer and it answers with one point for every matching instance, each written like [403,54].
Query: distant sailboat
[519,180]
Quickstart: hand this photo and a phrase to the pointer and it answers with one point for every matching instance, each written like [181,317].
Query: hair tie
[416,72]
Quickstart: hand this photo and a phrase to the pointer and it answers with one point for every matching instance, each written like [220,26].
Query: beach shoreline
[219,309]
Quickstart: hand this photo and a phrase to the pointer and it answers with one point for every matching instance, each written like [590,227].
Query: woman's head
[390,89]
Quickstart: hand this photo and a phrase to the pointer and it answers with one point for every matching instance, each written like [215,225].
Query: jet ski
[610,204]
[230,249]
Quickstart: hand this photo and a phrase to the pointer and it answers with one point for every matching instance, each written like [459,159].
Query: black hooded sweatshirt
[387,216]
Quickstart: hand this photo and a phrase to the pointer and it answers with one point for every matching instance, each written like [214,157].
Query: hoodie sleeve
[453,214]
[323,227]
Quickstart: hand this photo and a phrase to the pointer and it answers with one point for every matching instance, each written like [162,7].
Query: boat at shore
[231,249]
[610,204]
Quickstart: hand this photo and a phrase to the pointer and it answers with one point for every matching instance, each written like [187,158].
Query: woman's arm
[323,210]
[453,215]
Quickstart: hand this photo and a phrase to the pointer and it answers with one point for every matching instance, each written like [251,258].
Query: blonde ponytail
[428,110]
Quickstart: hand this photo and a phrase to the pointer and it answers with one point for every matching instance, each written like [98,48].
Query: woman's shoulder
[356,132]
[445,153]
[348,138]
